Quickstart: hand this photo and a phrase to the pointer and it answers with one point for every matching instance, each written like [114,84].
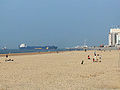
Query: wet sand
[61,71]
[32,53]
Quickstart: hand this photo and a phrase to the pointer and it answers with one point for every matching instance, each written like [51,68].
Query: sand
[61,71]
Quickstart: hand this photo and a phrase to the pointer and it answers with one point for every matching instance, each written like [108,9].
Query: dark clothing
[6,56]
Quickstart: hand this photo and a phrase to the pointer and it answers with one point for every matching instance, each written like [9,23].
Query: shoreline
[30,53]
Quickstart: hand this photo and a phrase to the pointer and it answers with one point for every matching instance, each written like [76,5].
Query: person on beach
[6,56]
[95,53]
[95,59]
[82,62]
[100,57]
[88,57]
[8,59]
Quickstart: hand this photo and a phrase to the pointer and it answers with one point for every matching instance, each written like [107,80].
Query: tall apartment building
[114,37]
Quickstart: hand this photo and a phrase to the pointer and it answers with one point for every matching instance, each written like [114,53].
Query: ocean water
[7,51]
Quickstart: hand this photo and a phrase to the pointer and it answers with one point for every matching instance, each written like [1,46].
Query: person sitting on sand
[100,57]
[97,54]
[8,59]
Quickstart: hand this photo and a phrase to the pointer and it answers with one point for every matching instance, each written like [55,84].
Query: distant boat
[24,46]
[77,47]
[85,45]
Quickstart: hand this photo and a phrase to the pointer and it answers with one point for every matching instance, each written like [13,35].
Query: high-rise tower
[114,37]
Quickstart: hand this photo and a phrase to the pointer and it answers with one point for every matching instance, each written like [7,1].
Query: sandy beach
[61,71]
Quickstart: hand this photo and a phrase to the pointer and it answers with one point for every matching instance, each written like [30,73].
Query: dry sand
[62,71]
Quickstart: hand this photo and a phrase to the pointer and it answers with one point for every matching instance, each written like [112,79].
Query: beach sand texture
[61,71]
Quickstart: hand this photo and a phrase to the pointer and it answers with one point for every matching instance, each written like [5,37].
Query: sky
[64,23]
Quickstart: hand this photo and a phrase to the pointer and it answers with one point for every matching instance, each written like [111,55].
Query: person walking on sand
[6,56]
[95,53]
[88,57]
[94,59]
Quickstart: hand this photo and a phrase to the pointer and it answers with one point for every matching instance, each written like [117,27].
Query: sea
[8,51]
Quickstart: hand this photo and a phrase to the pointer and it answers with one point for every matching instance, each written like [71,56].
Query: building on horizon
[114,37]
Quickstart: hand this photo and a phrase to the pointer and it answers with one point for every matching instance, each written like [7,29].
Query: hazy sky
[64,23]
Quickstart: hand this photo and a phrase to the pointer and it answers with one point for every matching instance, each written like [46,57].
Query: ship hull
[39,47]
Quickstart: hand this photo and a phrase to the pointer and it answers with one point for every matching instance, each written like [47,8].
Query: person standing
[95,53]
[88,57]
[6,56]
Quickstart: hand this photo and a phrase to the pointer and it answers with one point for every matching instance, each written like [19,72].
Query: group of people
[96,58]
[8,59]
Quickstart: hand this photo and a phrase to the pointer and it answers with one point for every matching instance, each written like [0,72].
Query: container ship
[24,46]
